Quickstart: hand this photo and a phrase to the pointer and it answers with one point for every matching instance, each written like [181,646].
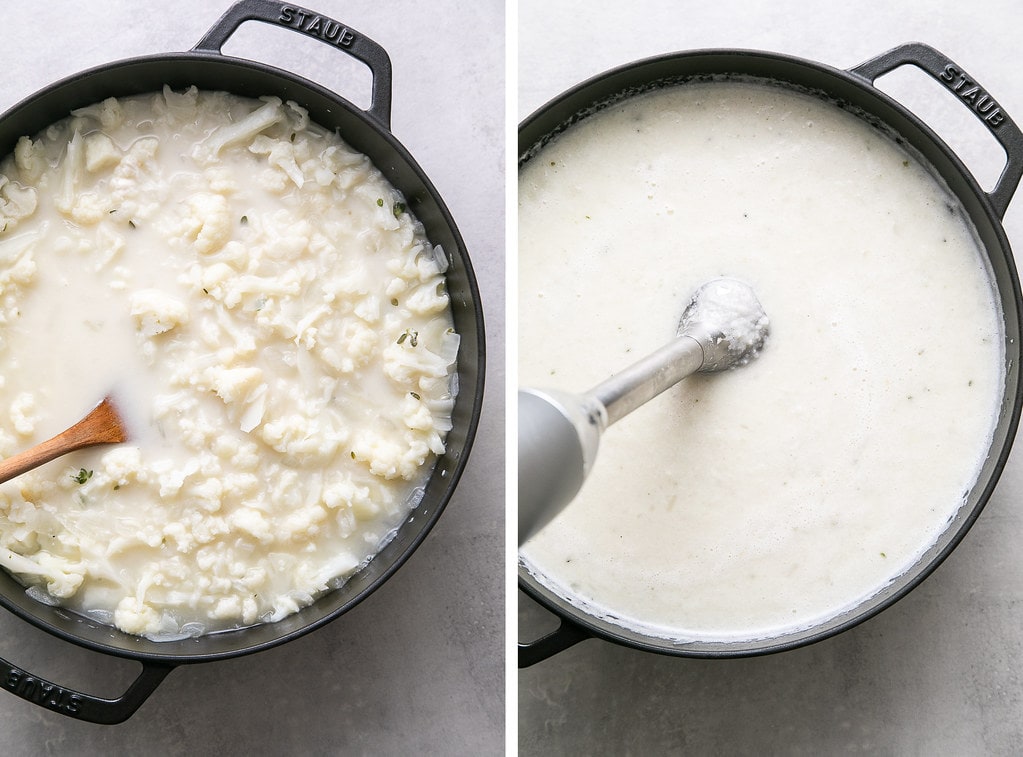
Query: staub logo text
[969,92]
[41,692]
[316,26]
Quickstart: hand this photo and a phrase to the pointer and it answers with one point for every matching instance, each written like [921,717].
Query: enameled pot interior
[845,90]
[248,79]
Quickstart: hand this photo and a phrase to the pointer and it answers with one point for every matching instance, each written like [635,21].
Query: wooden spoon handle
[101,426]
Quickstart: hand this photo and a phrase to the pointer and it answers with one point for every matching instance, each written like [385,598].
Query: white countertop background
[417,667]
[941,672]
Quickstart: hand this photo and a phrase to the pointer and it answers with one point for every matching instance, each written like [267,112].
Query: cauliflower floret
[214,275]
[208,494]
[227,608]
[176,530]
[172,478]
[100,152]
[388,459]
[122,464]
[303,522]
[125,179]
[156,312]
[298,117]
[359,341]
[181,107]
[428,299]
[61,578]
[210,221]
[109,113]
[30,158]
[302,438]
[89,208]
[406,362]
[251,522]
[22,413]
[234,384]
[16,202]
[339,494]
[416,414]
[17,264]
[336,158]
[60,582]
[368,309]
[280,154]
[134,616]
[262,118]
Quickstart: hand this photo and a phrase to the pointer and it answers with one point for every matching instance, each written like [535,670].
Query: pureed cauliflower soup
[747,504]
[273,325]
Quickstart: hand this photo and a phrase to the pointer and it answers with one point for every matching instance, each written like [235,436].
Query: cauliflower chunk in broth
[275,326]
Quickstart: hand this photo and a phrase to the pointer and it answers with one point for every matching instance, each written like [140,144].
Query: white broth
[771,498]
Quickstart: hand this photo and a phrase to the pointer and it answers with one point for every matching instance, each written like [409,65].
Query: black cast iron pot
[369,132]
[853,89]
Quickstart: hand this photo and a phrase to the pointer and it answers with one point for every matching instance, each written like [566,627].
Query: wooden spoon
[102,426]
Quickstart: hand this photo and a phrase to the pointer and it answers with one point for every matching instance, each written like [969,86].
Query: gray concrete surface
[417,667]
[938,673]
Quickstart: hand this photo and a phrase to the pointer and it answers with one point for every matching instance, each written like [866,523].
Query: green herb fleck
[415,395]
[82,476]
[292,136]
[399,208]
[132,224]
[411,336]
[244,220]
[394,301]
[380,202]
[353,454]
[116,487]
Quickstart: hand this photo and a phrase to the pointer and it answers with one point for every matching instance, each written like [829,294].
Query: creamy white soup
[773,497]
[271,321]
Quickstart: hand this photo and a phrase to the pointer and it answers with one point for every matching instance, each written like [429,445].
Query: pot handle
[317,26]
[76,704]
[952,76]
[567,634]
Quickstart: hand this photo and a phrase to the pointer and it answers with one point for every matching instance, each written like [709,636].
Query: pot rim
[984,210]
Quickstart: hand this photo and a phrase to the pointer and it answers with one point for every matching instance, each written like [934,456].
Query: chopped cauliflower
[23,413]
[281,325]
[210,221]
[29,158]
[16,202]
[100,152]
[135,616]
[156,312]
